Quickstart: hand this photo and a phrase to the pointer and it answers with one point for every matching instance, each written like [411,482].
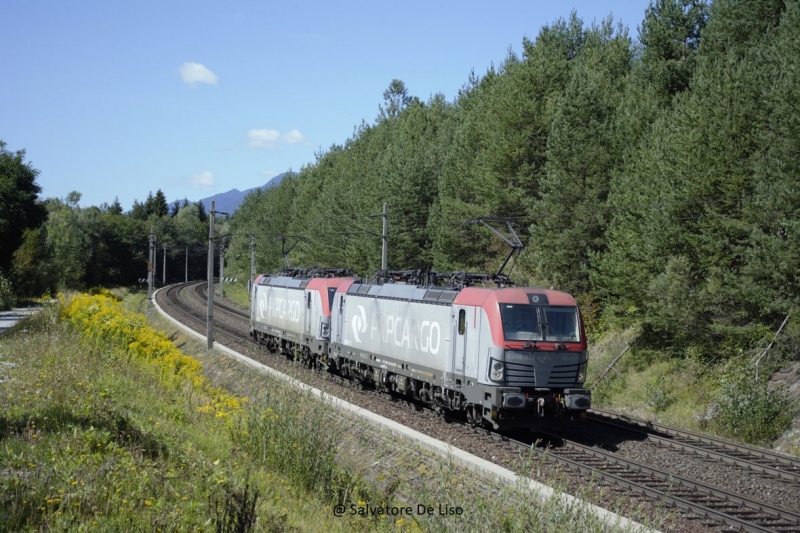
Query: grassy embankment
[107,426]
[720,396]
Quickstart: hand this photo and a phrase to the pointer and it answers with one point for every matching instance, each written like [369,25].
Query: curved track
[712,502]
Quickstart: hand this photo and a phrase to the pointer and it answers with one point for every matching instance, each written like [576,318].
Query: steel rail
[222,305]
[761,460]
[173,297]
[684,493]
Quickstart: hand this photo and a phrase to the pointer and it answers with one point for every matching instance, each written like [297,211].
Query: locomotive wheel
[475,418]
[307,359]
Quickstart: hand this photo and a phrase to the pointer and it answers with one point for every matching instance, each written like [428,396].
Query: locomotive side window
[308,300]
[462,322]
[331,294]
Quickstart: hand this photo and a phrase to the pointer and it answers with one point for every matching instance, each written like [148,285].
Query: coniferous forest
[655,175]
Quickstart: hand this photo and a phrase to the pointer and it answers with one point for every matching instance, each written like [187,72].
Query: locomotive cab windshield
[523,322]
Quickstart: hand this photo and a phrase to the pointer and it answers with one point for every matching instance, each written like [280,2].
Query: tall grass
[283,430]
[105,436]
[89,442]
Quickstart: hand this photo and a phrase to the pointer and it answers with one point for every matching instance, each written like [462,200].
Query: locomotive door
[460,344]
[309,304]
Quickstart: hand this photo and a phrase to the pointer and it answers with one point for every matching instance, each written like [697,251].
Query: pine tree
[499,151]
[670,36]
[570,218]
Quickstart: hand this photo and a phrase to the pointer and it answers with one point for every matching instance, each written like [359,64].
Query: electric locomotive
[290,312]
[507,357]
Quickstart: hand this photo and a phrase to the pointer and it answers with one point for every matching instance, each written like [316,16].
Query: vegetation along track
[640,497]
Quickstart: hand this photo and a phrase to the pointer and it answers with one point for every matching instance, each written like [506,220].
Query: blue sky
[119,99]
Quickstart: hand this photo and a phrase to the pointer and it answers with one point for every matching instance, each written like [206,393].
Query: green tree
[138,211]
[156,204]
[570,217]
[266,215]
[498,154]
[69,243]
[202,216]
[670,36]
[115,208]
[83,247]
[20,208]
[690,190]
[736,25]
[8,297]
[770,264]
[412,167]
[395,100]
[32,273]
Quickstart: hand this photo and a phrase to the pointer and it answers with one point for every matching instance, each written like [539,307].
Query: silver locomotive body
[509,358]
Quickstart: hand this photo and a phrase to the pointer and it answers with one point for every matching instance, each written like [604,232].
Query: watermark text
[397,510]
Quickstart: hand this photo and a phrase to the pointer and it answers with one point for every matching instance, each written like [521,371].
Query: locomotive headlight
[582,372]
[496,370]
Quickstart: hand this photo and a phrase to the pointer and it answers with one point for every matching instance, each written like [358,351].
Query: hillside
[229,201]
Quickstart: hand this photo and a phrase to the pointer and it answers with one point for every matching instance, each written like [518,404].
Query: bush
[102,320]
[747,410]
[7,297]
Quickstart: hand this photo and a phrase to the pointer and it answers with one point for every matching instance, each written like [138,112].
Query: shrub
[748,410]
[7,297]
[102,320]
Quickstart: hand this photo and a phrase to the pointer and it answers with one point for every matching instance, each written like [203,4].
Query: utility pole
[221,268]
[154,259]
[252,264]
[186,273]
[210,273]
[384,251]
[152,241]
[164,270]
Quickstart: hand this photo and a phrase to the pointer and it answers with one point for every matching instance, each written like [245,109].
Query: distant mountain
[228,202]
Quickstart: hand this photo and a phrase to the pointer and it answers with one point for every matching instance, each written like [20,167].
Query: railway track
[718,504]
[198,318]
[757,459]
[708,501]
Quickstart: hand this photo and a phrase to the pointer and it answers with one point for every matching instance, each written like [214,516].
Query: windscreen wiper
[530,343]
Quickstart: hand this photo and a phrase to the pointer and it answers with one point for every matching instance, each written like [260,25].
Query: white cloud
[271,138]
[268,173]
[192,73]
[263,138]
[203,181]
[294,137]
